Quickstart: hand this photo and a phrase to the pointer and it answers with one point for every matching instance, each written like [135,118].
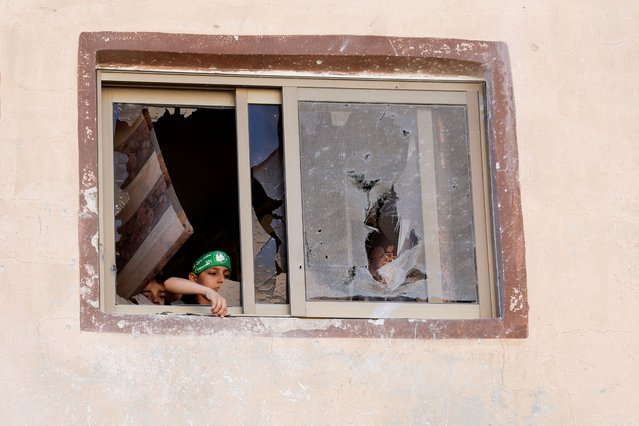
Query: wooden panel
[152,225]
[140,187]
[160,240]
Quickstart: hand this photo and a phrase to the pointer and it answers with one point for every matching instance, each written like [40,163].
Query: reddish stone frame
[336,55]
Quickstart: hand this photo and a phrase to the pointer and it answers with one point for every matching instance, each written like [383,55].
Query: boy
[154,290]
[206,277]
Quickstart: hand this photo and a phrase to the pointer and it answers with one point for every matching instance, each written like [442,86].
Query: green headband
[211,259]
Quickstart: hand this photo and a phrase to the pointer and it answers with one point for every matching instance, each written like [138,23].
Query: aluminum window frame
[238,91]
[469,94]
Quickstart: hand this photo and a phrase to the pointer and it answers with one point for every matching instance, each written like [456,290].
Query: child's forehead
[217,268]
[154,283]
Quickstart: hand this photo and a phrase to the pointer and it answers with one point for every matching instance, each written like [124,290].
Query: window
[393,203]
[353,198]
[192,171]
[385,197]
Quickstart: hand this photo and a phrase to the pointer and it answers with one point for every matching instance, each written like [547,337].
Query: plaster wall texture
[573,66]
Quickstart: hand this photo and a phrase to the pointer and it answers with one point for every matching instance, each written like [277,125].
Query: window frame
[485,61]
[241,91]
[470,94]
[195,96]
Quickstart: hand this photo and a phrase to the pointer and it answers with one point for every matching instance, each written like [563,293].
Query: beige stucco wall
[574,67]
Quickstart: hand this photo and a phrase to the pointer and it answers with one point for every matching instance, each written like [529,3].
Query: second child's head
[211,269]
[154,290]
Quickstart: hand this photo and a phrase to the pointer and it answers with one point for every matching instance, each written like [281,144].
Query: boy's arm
[184,286]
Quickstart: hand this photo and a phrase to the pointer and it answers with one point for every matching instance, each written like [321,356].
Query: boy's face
[212,278]
[154,291]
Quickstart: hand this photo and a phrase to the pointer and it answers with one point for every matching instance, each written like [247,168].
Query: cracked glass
[387,203]
[267,194]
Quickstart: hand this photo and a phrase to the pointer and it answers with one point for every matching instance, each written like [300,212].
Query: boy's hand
[218,303]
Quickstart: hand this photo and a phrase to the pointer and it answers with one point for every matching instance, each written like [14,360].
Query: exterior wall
[575,90]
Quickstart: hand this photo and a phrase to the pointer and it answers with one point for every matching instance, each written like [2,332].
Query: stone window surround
[353,56]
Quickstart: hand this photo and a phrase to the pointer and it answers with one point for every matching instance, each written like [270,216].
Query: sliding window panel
[387,205]
[267,211]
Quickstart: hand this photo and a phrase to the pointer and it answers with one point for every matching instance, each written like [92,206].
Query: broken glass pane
[387,206]
[267,189]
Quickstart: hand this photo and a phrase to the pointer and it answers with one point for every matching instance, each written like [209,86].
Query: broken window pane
[194,151]
[387,207]
[267,189]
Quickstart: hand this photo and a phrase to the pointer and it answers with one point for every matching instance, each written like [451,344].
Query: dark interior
[200,153]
